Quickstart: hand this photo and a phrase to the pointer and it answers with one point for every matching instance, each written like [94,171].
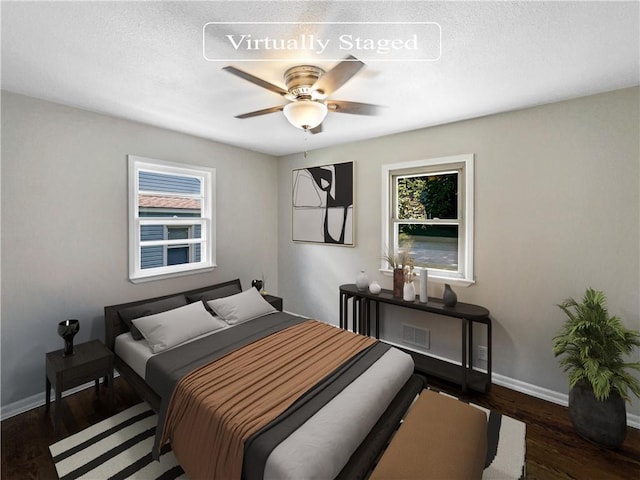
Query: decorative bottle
[67,329]
[375,288]
[449,297]
[362,281]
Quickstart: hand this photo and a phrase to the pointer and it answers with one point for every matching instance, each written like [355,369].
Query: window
[428,211]
[171,219]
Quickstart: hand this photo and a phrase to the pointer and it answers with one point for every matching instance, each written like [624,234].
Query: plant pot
[603,422]
[398,282]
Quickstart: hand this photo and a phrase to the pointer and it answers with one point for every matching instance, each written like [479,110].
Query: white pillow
[168,329]
[241,307]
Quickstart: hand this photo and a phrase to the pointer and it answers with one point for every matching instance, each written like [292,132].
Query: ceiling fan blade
[261,112]
[255,80]
[354,108]
[317,129]
[337,76]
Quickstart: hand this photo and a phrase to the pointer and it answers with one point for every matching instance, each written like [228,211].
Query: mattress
[314,451]
[135,353]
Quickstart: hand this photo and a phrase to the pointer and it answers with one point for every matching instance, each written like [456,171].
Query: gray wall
[557,210]
[64,225]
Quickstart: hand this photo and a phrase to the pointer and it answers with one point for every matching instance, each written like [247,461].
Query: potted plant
[593,345]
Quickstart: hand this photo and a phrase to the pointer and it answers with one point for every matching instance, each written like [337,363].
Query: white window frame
[465,163]
[206,221]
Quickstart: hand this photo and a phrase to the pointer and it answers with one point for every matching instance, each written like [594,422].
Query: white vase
[375,288]
[409,292]
[424,297]
[362,281]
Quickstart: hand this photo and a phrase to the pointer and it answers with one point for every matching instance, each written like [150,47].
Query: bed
[337,426]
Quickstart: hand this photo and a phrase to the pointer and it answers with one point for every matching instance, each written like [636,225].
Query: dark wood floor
[554,451]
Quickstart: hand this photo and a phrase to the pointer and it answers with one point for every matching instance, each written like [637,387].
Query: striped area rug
[120,448]
[116,448]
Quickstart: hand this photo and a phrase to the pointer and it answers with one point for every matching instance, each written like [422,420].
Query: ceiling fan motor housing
[300,80]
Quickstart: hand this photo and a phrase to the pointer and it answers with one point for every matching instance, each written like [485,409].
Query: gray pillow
[167,329]
[241,307]
[159,306]
[214,293]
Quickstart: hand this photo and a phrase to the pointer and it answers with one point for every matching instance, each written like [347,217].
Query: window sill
[164,276]
[434,277]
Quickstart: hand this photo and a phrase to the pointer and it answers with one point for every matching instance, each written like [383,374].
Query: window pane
[157,232]
[152,257]
[426,197]
[177,255]
[431,246]
[177,233]
[151,232]
[408,194]
[164,182]
[160,255]
[168,206]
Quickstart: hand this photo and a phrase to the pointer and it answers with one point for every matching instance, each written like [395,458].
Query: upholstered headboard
[115,325]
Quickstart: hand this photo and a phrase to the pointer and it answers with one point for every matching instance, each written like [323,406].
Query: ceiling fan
[307,88]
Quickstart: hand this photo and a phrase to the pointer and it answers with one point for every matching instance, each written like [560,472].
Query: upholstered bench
[440,438]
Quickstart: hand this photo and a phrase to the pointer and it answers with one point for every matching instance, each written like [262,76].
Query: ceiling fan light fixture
[305,114]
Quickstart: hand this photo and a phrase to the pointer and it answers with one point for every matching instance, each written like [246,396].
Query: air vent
[415,336]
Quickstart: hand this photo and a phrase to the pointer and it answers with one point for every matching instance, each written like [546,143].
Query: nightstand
[90,361]
[276,302]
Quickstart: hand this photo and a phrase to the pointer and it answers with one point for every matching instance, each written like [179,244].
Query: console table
[365,317]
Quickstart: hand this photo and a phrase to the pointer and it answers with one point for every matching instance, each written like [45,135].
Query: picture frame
[323,204]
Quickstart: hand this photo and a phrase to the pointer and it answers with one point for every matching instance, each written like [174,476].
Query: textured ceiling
[144,61]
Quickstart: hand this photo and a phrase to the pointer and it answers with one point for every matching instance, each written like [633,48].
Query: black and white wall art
[323,204]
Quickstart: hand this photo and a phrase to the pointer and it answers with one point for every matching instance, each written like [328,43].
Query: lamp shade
[305,114]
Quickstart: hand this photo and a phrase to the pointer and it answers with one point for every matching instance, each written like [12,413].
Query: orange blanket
[217,407]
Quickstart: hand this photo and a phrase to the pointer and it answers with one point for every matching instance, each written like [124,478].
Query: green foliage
[439,196]
[408,230]
[409,191]
[428,196]
[594,344]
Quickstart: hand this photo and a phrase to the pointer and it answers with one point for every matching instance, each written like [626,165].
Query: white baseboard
[548,395]
[39,399]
